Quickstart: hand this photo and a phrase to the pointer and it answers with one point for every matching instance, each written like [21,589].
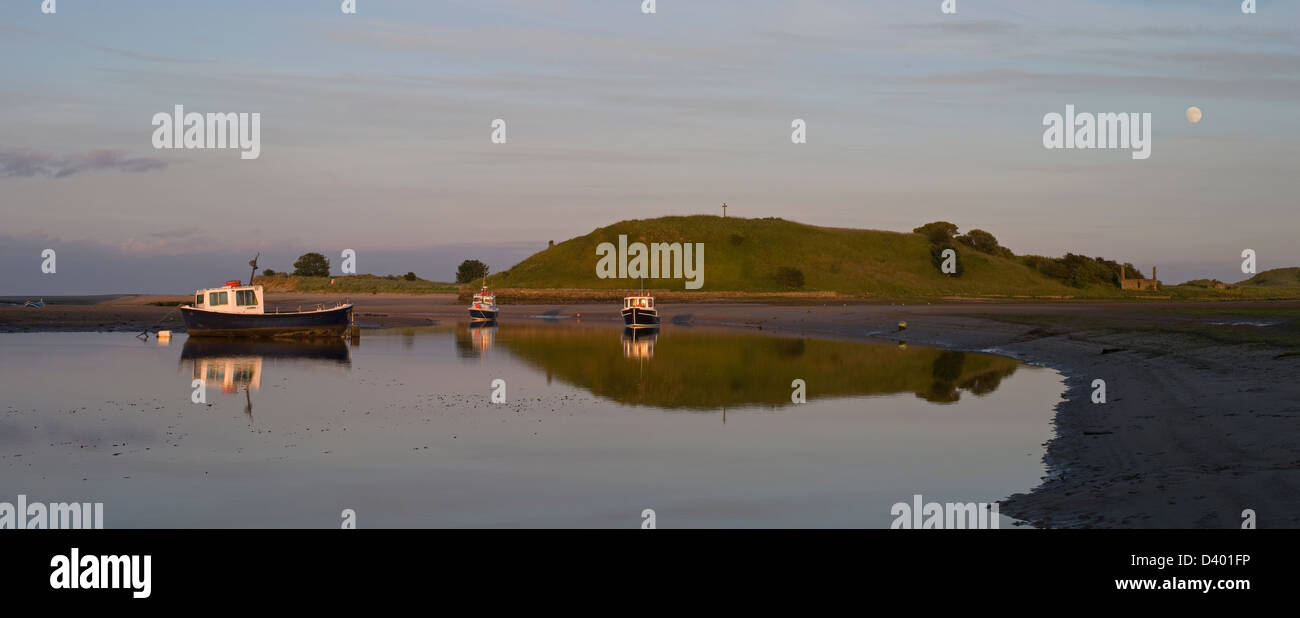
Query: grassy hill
[749,255]
[1276,278]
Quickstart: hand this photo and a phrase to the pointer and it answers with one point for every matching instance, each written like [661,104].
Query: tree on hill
[940,235]
[410,276]
[311,265]
[470,270]
[938,231]
[983,242]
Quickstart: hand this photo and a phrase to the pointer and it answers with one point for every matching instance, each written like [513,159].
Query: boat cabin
[230,298]
[230,372]
[639,347]
[639,302]
[484,298]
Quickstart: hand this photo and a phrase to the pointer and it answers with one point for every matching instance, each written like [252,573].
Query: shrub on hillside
[983,242]
[1209,283]
[936,258]
[1080,271]
[789,277]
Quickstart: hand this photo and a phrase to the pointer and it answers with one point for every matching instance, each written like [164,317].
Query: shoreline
[1195,430]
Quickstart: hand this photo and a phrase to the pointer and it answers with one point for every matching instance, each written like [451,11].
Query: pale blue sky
[375,128]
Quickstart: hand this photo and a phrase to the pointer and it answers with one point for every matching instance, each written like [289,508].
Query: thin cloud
[126,53]
[31,163]
[974,27]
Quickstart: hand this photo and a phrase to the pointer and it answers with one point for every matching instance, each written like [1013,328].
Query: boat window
[245,298]
[198,299]
[218,298]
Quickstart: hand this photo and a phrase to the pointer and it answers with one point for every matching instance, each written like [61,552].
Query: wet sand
[1194,431]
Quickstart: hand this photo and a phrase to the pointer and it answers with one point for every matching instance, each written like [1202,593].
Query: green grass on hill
[1276,278]
[1276,284]
[352,284]
[750,254]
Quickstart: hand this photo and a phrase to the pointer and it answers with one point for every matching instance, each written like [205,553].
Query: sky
[376,129]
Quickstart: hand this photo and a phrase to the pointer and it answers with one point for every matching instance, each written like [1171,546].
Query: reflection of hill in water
[709,370]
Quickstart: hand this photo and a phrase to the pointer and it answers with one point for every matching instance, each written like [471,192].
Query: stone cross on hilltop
[724,210]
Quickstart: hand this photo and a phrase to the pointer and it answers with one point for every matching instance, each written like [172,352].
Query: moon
[1193,114]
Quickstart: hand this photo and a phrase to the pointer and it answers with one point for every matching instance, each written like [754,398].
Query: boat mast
[253,263]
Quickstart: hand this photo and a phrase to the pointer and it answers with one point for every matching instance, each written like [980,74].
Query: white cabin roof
[230,299]
[227,288]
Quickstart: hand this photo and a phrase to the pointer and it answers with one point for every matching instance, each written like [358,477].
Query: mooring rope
[145,333]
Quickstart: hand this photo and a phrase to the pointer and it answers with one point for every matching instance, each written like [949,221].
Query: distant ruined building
[1125,283]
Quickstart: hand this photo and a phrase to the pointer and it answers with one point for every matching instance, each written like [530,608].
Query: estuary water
[590,426]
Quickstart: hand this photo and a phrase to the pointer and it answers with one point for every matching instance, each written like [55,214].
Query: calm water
[597,426]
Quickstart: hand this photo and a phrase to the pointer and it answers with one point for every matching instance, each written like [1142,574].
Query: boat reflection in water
[473,340]
[236,364]
[639,343]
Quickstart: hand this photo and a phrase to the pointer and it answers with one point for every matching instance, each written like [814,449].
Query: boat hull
[637,317]
[483,315]
[322,323]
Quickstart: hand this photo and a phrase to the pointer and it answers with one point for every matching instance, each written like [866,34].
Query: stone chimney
[1155,281]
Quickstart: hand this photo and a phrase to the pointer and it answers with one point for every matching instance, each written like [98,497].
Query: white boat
[483,308]
[235,310]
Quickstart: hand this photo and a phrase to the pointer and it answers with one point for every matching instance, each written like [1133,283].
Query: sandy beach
[1194,431]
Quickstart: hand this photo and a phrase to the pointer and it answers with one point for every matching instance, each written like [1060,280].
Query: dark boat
[236,310]
[640,312]
[323,351]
